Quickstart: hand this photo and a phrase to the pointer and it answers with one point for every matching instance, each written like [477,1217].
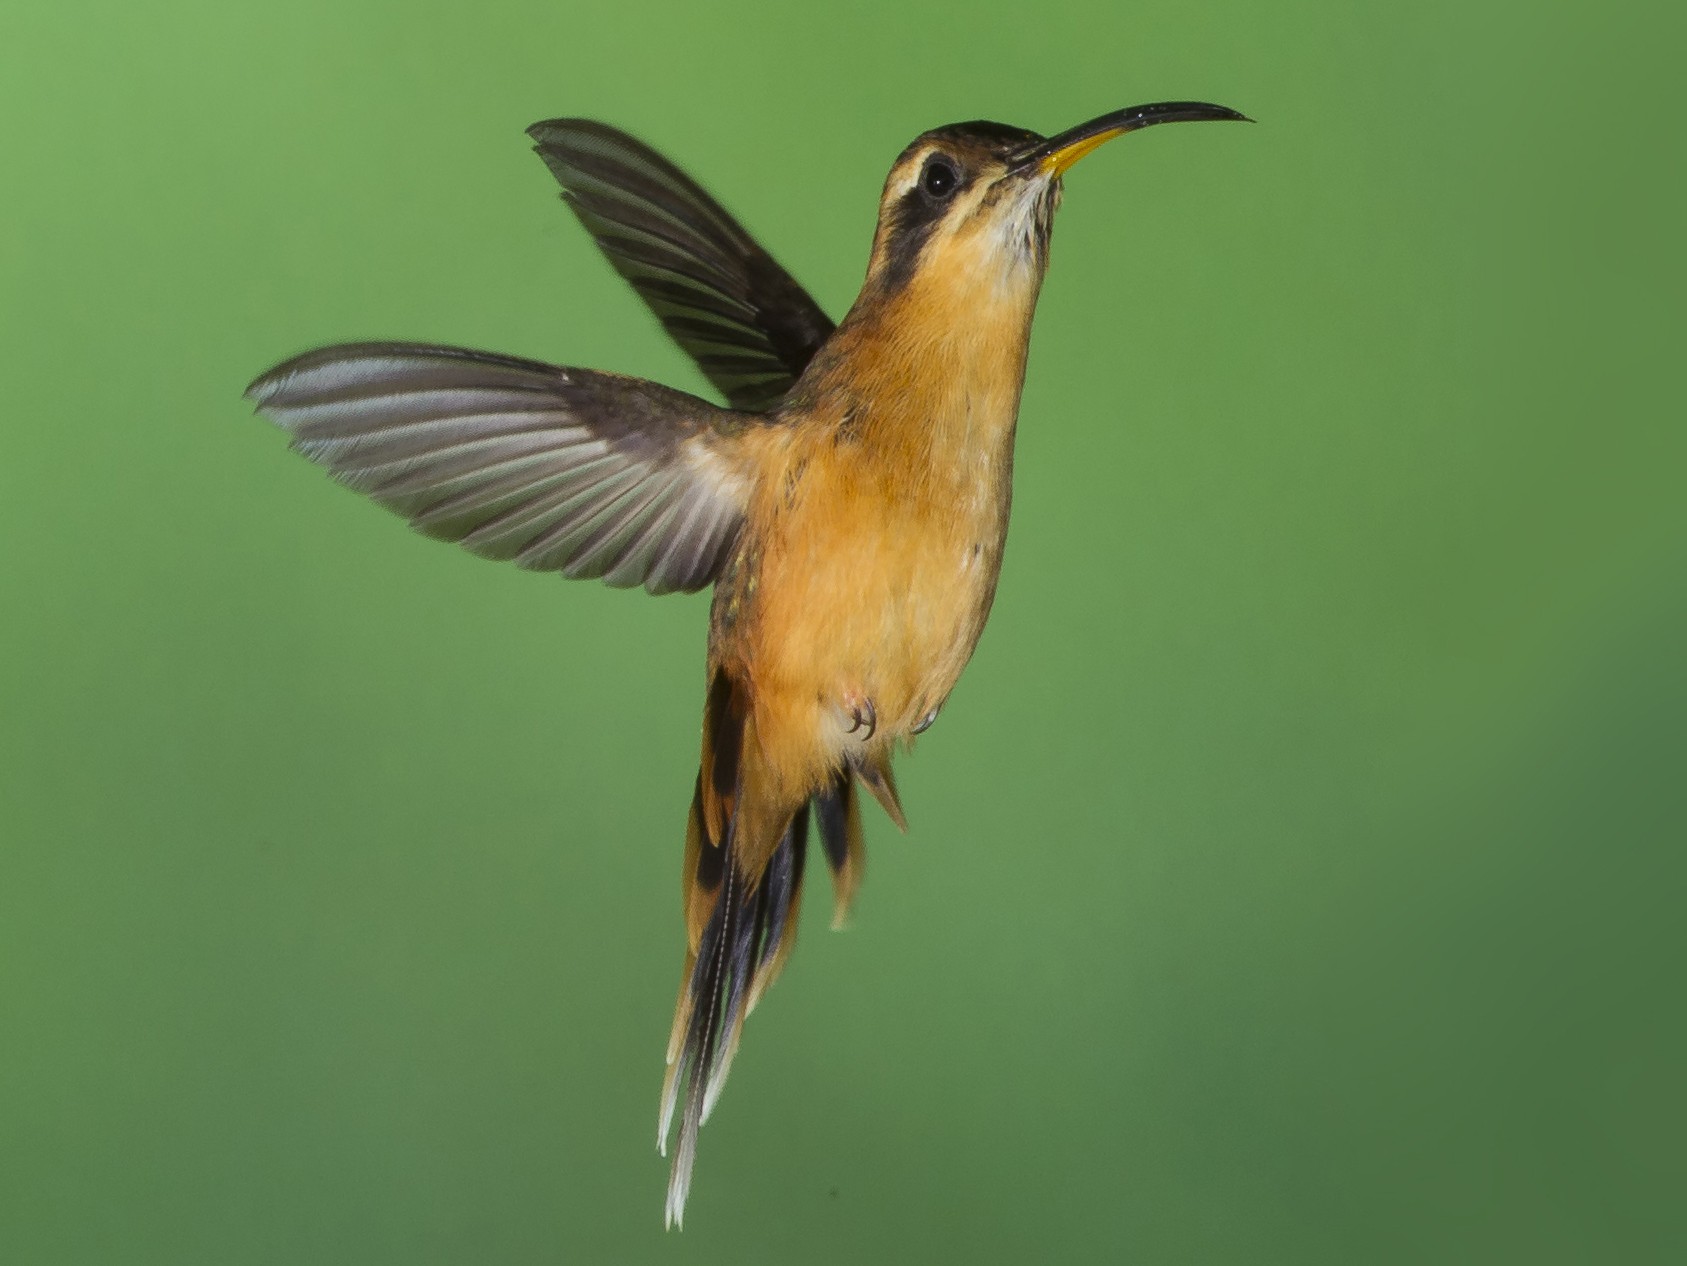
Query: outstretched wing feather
[569,470]
[745,321]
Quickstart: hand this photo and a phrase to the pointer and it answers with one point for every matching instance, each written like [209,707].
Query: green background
[1292,877]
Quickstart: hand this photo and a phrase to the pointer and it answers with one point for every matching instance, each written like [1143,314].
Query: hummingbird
[849,505]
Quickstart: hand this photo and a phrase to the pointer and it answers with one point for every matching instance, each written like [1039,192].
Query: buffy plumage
[849,507]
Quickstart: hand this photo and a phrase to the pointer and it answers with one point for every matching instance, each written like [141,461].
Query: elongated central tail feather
[741,949]
[748,926]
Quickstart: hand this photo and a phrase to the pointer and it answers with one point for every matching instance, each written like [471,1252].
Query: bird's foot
[862,715]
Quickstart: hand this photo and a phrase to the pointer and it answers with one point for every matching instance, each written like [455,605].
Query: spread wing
[745,321]
[569,470]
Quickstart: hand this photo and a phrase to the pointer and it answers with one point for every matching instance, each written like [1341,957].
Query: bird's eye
[940,178]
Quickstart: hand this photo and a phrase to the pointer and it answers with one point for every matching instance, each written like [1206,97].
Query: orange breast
[875,536]
[876,586]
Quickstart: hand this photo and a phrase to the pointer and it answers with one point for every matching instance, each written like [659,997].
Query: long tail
[741,921]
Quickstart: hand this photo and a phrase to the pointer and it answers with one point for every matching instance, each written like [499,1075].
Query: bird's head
[974,202]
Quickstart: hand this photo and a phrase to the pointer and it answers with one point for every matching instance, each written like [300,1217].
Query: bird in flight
[849,505]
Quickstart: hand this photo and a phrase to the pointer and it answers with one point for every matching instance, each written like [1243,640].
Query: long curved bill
[1053,156]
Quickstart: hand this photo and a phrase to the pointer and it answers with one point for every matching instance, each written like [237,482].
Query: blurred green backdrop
[1292,875]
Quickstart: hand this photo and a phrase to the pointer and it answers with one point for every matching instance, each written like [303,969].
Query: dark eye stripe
[914,217]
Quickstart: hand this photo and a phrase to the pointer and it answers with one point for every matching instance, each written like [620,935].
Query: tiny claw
[863,716]
[927,720]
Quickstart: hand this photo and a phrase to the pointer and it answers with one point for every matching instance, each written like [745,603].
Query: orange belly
[865,580]
[874,536]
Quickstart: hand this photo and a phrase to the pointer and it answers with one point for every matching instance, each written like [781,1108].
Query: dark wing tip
[547,131]
[269,384]
[536,130]
[272,383]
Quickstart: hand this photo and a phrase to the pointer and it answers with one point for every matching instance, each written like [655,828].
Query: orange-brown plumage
[850,508]
[874,535]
